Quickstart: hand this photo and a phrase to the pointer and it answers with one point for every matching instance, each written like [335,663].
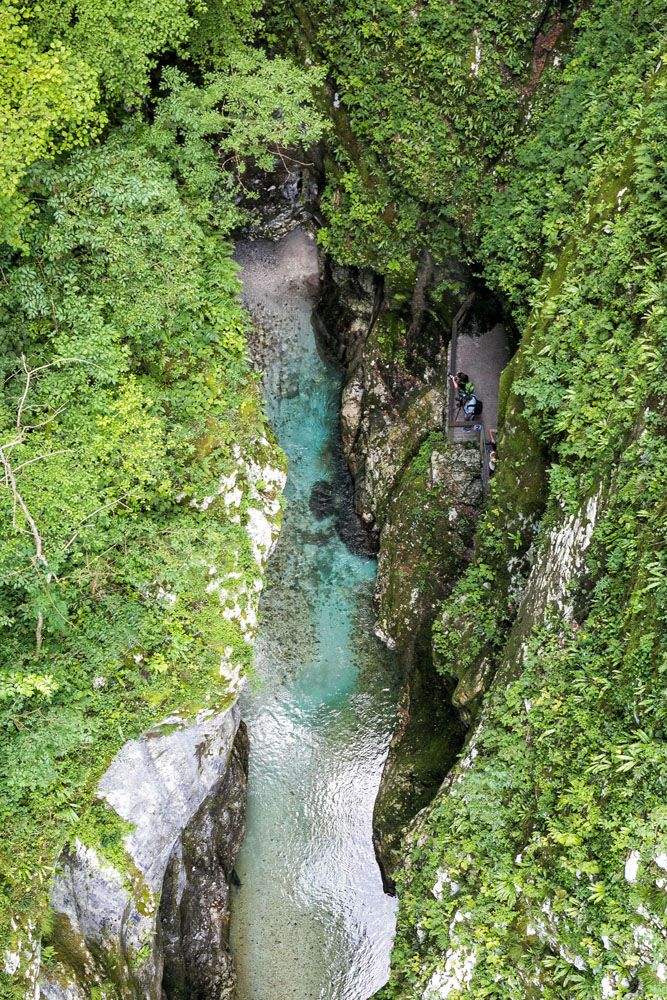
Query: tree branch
[26,390]
[112,503]
[36,537]
[10,473]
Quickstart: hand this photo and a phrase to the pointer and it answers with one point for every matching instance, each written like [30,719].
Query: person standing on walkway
[472,406]
[462,384]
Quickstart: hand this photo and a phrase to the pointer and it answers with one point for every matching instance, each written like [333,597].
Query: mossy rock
[425,542]
[424,546]
[427,740]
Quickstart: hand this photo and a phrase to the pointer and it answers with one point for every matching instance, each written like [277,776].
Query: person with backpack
[472,406]
[466,397]
[462,384]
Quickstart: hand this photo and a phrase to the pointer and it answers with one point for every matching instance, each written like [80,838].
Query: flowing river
[310,918]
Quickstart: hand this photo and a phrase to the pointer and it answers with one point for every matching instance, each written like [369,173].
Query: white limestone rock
[108,918]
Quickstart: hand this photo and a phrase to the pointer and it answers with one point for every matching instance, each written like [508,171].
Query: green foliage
[48,104]
[535,201]
[222,26]
[602,307]
[59,59]
[133,387]
[120,40]
[469,621]
[432,94]
[253,109]
[561,780]
[363,226]
[126,394]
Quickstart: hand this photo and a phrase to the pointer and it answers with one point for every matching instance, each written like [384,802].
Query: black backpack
[476,406]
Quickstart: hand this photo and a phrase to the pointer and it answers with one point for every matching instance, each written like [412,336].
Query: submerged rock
[322,500]
[289,386]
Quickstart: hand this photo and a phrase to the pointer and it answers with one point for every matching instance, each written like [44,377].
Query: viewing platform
[482,355]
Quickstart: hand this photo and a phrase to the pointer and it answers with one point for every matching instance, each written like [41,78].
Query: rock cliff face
[555,578]
[420,498]
[194,907]
[149,917]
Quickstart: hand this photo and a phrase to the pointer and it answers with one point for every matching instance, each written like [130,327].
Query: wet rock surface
[426,743]
[284,200]
[389,404]
[350,302]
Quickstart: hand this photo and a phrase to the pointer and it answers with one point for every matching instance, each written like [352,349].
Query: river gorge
[333,440]
[310,919]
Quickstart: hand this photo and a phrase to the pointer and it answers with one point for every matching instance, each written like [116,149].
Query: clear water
[310,919]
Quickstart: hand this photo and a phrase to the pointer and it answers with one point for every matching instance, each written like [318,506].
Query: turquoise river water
[310,918]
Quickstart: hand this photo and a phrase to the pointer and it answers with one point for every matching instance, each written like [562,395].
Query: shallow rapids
[310,918]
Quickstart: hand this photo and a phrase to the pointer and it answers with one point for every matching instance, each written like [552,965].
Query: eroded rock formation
[420,497]
[147,916]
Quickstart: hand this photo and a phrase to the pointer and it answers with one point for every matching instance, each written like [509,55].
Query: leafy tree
[126,394]
[120,40]
[48,104]
[253,110]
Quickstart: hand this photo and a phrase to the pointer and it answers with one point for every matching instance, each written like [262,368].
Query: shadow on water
[310,918]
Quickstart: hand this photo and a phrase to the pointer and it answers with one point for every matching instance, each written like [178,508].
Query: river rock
[180,788]
[322,501]
[289,386]
[388,445]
